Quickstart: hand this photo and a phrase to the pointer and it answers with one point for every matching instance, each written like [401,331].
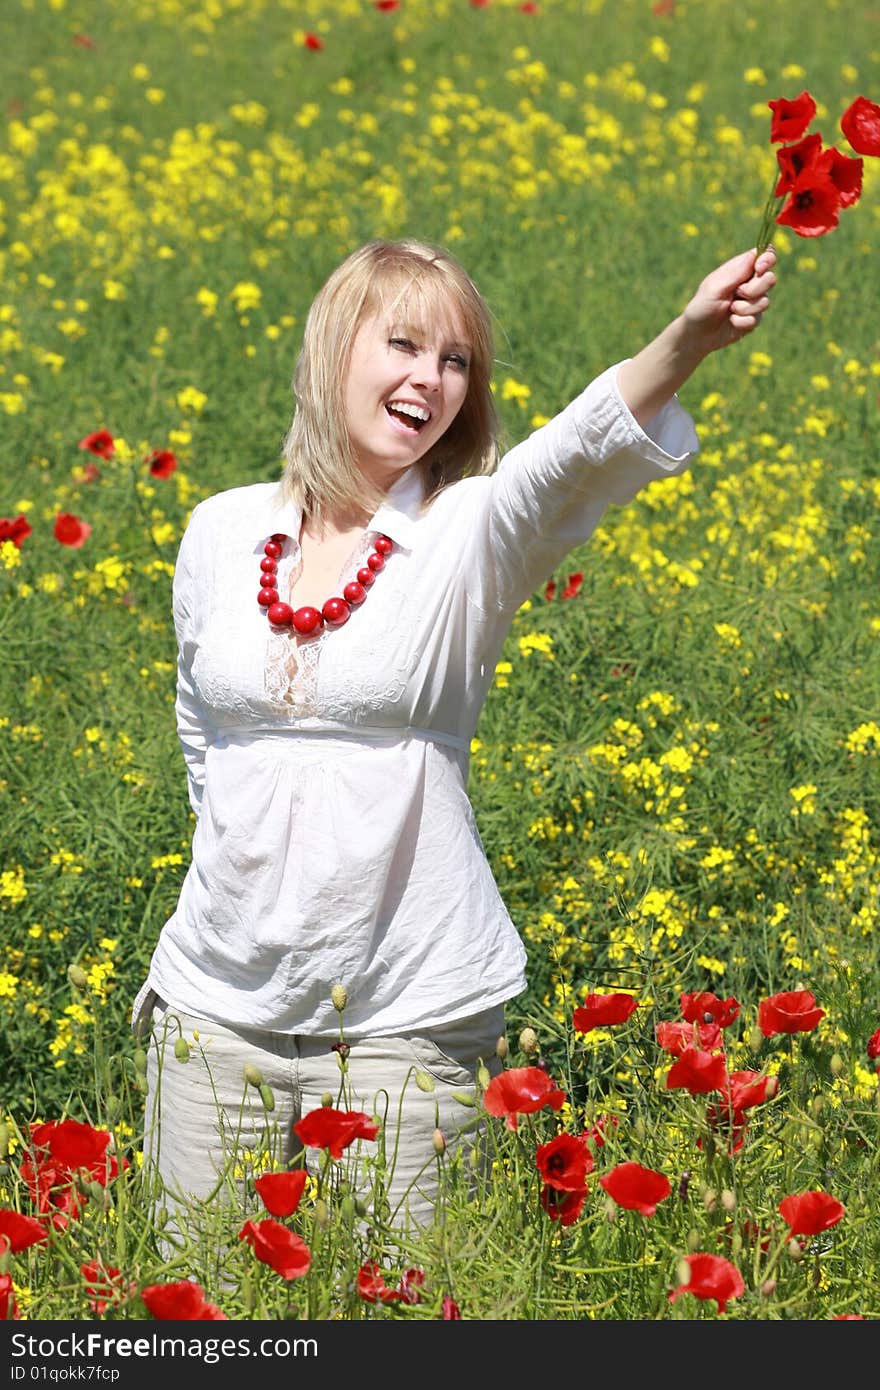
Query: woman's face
[403,390]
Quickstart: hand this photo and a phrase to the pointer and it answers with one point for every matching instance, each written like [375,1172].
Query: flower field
[677,772]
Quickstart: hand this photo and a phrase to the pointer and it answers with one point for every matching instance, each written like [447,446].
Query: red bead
[376,561]
[354,593]
[307,620]
[336,612]
[279,536]
[384,545]
[272,548]
[268,565]
[366,577]
[266,597]
[281,614]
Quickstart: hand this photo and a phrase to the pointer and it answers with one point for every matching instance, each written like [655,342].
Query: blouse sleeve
[549,492]
[194,728]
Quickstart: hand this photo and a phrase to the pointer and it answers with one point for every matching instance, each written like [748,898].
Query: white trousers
[208,1129]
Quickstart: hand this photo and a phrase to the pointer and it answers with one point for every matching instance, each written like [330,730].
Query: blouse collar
[395,517]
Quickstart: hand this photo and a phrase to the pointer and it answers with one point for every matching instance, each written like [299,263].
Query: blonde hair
[423,285]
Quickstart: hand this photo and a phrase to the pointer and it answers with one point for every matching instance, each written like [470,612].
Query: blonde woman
[338,632]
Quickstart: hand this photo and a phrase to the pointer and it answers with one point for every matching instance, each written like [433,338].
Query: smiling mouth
[412,417]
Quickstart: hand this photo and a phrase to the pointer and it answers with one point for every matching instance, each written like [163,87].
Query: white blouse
[334,840]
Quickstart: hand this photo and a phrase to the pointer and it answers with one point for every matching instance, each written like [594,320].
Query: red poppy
[69,530]
[743,1089]
[183,1301]
[600,1010]
[8,1305]
[860,124]
[530,7]
[280,1193]
[386,4]
[89,472]
[564,1162]
[696,1071]
[793,159]
[100,442]
[326,1128]
[636,1188]
[71,1143]
[572,588]
[597,1132]
[793,1011]
[708,1008]
[19,1232]
[808,1213]
[274,1245]
[162,463]
[373,1289]
[313,42]
[791,118]
[662,8]
[564,1207]
[479,4]
[730,1125]
[848,1317]
[15,531]
[676,1037]
[711,1277]
[550,590]
[450,1309]
[813,203]
[844,173]
[521,1091]
[105,1285]
[84,41]
[873,1045]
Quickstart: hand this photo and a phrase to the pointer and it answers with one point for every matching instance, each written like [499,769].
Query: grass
[675,773]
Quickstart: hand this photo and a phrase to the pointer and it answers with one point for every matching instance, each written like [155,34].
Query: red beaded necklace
[335,611]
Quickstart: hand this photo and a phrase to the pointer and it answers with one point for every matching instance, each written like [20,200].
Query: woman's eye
[458,361]
[404,343]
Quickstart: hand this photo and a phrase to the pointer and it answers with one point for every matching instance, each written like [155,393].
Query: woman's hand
[728,304]
[731,300]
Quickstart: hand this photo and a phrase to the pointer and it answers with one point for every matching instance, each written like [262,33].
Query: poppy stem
[771,207]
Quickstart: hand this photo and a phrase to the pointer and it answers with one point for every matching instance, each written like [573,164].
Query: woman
[338,632]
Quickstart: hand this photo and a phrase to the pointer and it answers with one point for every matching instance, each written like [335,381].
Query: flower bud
[610,1212]
[339,997]
[756,1038]
[77,977]
[640,1129]
[694,1240]
[795,1251]
[4,1141]
[728,1200]
[528,1041]
[341,1063]
[424,1081]
[438,1139]
[267,1097]
[768,1288]
[484,1076]
[502,1048]
[346,1207]
[322,1212]
[139,1058]
[253,1076]
[710,1198]
[181,1050]
[5,1259]
[837,1064]
[360,1206]
[464,1098]
[326,1099]
[683,1272]
[736,1244]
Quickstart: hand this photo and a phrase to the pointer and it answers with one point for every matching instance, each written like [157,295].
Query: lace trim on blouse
[291,671]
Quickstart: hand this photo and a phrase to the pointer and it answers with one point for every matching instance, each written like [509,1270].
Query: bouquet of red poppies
[814,183]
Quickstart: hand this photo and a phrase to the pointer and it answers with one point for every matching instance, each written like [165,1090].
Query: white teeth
[418,412]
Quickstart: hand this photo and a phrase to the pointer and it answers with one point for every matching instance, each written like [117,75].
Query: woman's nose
[426,371]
